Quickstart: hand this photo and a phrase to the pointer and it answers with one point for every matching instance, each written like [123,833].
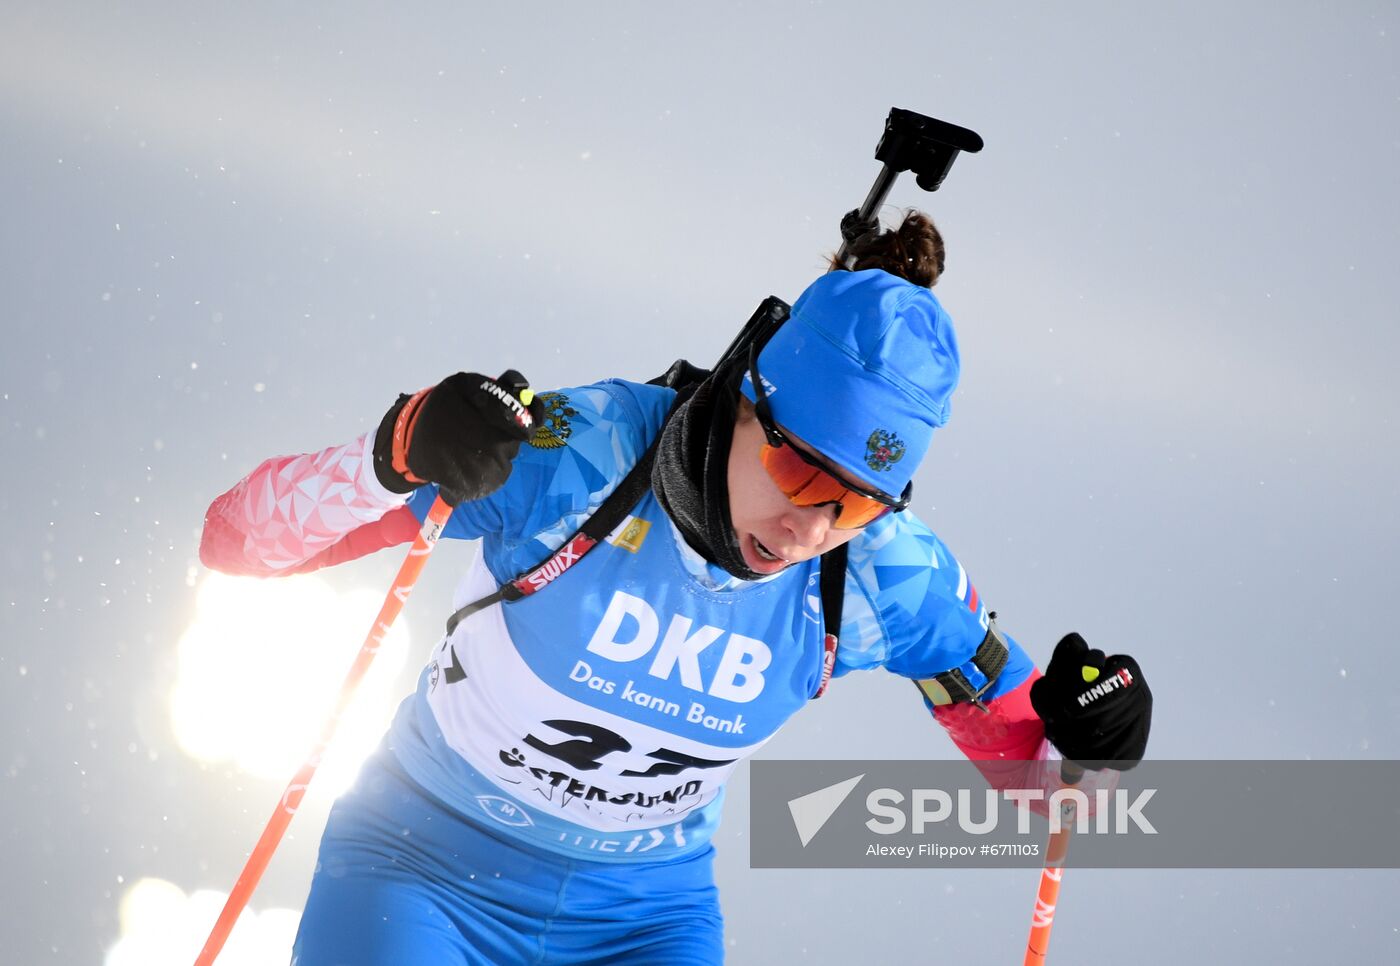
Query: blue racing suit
[549,791]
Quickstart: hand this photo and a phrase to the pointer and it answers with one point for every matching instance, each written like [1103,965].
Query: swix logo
[1120,680]
[560,561]
[738,677]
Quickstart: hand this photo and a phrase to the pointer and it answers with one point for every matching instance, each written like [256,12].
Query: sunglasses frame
[776,438]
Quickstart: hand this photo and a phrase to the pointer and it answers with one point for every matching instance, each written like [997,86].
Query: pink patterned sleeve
[1009,730]
[298,513]
[1007,744]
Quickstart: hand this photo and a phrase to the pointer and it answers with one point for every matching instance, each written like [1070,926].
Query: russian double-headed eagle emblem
[883,449]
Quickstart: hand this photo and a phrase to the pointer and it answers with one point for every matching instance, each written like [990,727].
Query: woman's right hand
[461,434]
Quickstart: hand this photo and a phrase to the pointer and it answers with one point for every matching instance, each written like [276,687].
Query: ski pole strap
[953,687]
[604,520]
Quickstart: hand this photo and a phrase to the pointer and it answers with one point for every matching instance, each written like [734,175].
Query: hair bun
[913,250]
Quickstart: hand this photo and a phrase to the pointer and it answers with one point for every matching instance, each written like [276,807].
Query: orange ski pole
[291,798]
[1049,892]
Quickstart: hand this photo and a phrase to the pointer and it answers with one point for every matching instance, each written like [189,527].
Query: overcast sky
[237,230]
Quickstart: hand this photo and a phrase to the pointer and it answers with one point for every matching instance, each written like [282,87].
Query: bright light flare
[259,670]
[161,926]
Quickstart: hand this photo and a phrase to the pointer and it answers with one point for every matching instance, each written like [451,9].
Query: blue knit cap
[862,371]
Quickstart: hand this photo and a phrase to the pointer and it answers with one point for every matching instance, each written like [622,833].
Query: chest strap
[610,513]
[833,591]
[605,519]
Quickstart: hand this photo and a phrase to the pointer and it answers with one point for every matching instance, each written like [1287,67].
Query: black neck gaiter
[691,474]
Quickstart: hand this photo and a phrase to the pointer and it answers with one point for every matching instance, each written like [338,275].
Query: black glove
[1097,711]
[461,434]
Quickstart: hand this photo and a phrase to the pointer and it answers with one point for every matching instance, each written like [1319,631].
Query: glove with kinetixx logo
[461,434]
[1097,710]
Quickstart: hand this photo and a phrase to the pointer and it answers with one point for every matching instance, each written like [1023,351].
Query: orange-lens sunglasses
[807,481]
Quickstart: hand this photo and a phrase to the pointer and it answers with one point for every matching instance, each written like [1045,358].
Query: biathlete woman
[549,792]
